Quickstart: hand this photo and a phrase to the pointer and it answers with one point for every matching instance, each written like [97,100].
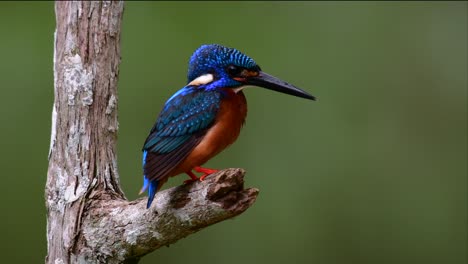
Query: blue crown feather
[211,58]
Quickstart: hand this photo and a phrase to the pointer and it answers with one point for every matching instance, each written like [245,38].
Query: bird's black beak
[270,82]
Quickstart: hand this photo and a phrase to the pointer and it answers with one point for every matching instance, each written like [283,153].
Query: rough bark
[89,220]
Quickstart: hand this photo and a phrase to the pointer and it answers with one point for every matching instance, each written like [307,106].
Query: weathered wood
[117,230]
[89,219]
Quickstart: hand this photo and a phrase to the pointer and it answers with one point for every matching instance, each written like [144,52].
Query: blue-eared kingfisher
[204,117]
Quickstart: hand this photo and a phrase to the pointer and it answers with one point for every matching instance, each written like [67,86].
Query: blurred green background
[373,172]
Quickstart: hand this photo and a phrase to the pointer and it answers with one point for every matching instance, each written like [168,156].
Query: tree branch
[176,213]
[89,219]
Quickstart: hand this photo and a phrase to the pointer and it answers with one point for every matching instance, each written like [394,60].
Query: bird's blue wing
[180,127]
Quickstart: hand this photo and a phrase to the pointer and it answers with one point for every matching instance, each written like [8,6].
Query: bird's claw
[201,178]
[206,171]
[193,177]
[189,181]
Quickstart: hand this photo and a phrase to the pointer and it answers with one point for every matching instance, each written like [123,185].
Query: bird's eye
[234,70]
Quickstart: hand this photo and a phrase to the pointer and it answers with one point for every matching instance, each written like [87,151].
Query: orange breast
[226,129]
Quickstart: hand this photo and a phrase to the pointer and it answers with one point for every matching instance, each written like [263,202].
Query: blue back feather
[185,114]
[180,126]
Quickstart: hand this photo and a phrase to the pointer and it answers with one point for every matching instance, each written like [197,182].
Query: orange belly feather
[225,130]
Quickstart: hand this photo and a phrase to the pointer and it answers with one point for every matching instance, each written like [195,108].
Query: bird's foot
[205,172]
[192,176]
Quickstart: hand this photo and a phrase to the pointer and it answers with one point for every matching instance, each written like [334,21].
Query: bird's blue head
[214,67]
[218,63]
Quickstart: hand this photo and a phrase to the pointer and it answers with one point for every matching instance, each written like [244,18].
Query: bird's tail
[151,192]
[152,187]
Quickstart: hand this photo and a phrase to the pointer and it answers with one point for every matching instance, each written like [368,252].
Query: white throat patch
[202,80]
[238,89]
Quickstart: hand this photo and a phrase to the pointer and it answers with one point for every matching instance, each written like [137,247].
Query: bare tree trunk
[89,219]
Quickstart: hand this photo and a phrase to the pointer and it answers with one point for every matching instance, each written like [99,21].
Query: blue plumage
[180,126]
[153,185]
[186,114]
[153,188]
[190,113]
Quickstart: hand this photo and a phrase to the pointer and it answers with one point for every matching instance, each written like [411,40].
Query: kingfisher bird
[204,117]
